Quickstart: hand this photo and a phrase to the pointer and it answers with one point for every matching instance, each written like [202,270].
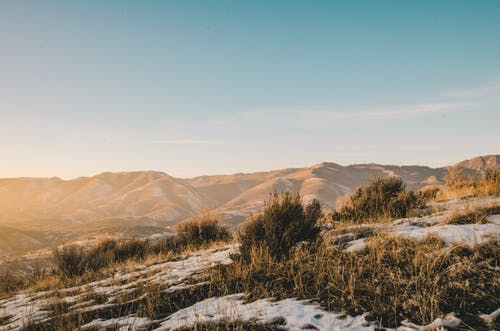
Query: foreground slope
[177,294]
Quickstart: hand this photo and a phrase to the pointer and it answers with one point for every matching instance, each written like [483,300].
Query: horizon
[243,172]
[193,88]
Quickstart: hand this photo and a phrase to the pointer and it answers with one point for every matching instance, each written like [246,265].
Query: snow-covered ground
[34,307]
[420,227]
[297,315]
[171,276]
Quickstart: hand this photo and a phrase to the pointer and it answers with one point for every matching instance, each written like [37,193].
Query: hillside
[195,290]
[481,163]
[142,203]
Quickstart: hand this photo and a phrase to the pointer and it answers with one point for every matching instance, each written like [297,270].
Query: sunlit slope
[155,199]
[152,195]
[326,182]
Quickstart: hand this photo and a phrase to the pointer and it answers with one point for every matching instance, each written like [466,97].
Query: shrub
[284,222]
[69,261]
[201,231]
[73,261]
[490,183]
[428,193]
[470,183]
[381,197]
[10,282]
[458,179]
[112,251]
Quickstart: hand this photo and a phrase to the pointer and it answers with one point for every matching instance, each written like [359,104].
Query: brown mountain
[481,163]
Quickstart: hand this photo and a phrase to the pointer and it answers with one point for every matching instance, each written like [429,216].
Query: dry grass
[462,183]
[392,279]
[476,215]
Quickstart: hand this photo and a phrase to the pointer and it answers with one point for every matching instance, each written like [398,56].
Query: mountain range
[43,211]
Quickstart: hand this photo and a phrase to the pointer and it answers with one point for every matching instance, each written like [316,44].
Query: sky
[209,87]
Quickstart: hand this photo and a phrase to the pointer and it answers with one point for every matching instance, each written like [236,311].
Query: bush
[381,197]
[10,282]
[74,261]
[490,183]
[202,231]
[69,261]
[284,223]
[428,193]
[470,183]
[112,251]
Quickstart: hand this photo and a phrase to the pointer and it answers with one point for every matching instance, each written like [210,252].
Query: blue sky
[204,87]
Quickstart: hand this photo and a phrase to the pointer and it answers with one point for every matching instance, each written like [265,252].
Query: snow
[419,228]
[297,314]
[121,323]
[470,234]
[171,275]
[449,321]
[294,314]
[489,319]
[356,245]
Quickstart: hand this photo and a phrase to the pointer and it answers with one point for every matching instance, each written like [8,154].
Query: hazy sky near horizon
[205,87]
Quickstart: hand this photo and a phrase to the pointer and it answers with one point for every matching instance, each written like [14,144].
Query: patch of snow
[419,227]
[298,315]
[489,319]
[449,321]
[495,219]
[356,245]
[121,323]
[471,234]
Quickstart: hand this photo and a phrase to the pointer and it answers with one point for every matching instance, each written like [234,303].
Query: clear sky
[204,87]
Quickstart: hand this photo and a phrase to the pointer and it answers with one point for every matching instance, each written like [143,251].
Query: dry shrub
[201,231]
[69,261]
[9,283]
[465,183]
[284,222]
[380,198]
[428,193]
[490,183]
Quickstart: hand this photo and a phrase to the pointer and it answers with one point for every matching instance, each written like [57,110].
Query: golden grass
[476,215]
[392,279]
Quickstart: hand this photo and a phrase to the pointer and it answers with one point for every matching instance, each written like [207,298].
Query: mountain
[146,202]
[325,181]
[481,163]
